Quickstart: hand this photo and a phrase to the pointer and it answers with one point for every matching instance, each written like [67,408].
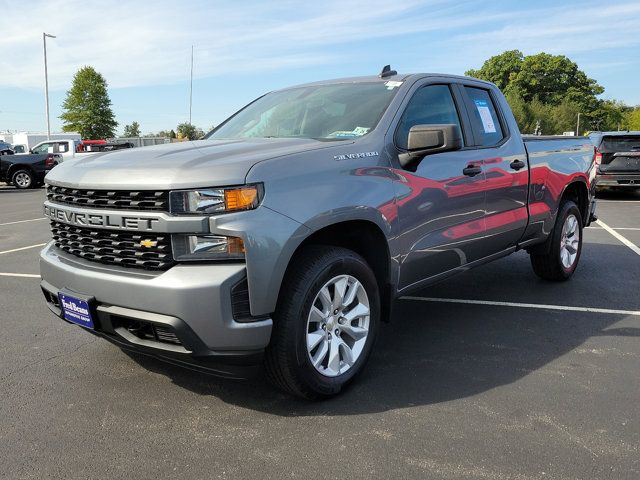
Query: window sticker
[485,115]
[359,131]
[356,132]
[391,84]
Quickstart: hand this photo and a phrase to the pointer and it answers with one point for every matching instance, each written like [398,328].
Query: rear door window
[61,147]
[484,117]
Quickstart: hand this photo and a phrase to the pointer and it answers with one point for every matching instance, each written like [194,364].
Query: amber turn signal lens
[243,198]
[235,246]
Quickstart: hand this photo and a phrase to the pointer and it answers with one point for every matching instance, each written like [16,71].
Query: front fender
[270,239]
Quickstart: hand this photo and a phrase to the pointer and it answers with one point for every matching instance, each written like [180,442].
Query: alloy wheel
[22,180]
[569,241]
[338,325]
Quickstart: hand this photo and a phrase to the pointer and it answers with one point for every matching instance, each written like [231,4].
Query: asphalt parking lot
[526,379]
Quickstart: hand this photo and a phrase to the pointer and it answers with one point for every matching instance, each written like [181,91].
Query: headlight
[207,201]
[207,247]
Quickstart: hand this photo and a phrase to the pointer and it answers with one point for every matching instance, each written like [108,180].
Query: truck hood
[202,163]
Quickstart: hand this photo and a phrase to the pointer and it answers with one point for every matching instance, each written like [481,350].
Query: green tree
[87,107]
[500,69]
[608,115]
[132,130]
[522,112]
[632,119]
[549,91]
[163,133]
[541,116]
[189,131]
[552,79]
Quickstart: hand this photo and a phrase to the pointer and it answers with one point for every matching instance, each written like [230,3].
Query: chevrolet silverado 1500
[284,237]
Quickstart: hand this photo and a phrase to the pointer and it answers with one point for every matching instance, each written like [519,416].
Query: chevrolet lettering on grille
[86,219]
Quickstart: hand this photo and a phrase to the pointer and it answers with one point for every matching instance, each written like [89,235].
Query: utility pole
[191,86]
[46,82]
[578,126]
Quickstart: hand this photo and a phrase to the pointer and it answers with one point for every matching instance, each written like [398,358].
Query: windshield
[331,112]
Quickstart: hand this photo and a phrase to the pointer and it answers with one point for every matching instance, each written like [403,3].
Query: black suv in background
[618,159]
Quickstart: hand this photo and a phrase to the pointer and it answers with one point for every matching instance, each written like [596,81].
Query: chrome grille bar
[151,251]
[112,199]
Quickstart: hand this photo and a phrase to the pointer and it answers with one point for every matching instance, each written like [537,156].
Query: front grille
[115,248]
[113,199]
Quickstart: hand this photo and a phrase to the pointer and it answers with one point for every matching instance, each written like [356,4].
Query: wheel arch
[578,192]
[366,238]
[19,166]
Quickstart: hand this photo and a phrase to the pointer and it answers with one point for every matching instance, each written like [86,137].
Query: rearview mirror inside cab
[428,139]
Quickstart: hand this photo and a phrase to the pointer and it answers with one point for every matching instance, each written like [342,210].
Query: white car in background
[70,148]
[67,148]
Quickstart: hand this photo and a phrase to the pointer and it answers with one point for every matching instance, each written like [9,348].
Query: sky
[244,49]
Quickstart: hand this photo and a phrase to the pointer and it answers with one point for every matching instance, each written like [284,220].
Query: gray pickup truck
[283,238]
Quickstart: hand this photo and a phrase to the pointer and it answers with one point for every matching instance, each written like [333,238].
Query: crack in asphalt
[45,360]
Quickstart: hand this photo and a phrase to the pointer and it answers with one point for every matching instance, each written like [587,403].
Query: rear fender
[583,204]
[21,166]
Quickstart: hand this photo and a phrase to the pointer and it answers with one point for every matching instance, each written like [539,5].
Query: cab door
[506,171]
[441,205]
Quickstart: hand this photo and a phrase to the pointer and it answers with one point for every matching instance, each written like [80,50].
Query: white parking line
[23,248]
[622,239]
[23,275]
[525,305]
[23,221]
[596,227]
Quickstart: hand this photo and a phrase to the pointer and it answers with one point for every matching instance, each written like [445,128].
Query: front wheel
[325,323]
[561,260]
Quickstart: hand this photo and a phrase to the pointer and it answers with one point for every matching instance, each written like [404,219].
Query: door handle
[517,164]
[472,170]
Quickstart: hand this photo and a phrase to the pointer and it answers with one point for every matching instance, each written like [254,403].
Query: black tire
[549,266]
[287,361]
[23,179]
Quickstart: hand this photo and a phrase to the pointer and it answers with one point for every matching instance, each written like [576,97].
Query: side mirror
[428,139]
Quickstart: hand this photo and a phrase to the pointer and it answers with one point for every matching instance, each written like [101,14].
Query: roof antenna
[387,72]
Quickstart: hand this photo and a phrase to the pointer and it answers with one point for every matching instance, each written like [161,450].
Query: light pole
[46,82]
[191,86]
[578,126]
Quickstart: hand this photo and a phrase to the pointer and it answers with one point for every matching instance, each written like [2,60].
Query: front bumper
[190,302]
[621,180]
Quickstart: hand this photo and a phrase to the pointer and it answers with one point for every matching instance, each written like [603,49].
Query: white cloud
[565,30]
[139,43]
[144,43]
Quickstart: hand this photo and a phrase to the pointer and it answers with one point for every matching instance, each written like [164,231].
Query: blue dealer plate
[75,310]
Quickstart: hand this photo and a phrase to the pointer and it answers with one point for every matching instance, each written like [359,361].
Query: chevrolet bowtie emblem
[148,243]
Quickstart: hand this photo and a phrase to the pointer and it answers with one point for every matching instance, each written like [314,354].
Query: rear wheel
[23,179]
[561,260]
[325,324]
